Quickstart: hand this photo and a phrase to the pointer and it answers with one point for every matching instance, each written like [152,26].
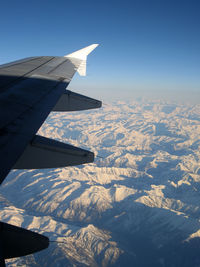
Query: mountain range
[136,205]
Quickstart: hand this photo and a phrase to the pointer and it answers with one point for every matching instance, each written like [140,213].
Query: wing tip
[82,53]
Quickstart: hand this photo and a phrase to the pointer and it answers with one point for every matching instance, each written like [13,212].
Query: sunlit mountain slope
[136,205]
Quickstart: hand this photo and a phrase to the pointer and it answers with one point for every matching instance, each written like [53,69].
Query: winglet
[82,55]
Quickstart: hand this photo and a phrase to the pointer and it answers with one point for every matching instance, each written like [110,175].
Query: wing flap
[43,152]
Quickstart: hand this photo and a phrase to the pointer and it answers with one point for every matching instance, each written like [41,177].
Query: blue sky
[146,47]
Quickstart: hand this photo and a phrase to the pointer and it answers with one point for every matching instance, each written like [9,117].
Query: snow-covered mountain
[136,205]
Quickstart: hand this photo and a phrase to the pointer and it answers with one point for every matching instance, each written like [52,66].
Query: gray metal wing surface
[29,90]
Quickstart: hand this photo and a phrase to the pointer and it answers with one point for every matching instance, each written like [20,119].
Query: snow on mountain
[137,204]
[72,245]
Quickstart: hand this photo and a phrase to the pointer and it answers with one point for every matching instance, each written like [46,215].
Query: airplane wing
[29,90]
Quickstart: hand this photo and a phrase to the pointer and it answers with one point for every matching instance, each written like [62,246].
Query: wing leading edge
[29,90]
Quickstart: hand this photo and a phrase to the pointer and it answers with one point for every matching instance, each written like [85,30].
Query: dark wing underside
[29,90]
